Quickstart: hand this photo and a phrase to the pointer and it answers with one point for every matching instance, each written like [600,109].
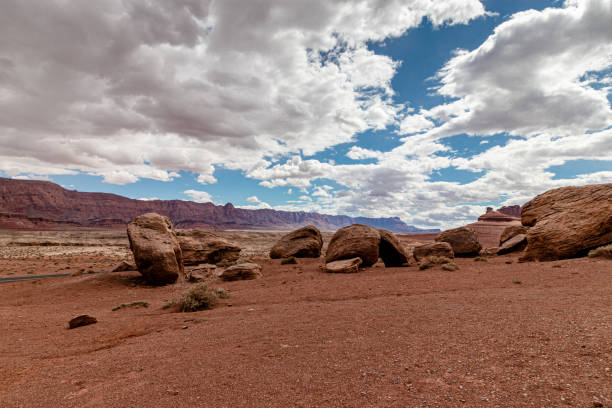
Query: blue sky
[428,113]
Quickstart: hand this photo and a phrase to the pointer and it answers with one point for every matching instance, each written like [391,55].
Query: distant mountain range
[28,204]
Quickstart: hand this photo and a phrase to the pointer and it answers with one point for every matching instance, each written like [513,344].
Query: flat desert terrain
[491,334]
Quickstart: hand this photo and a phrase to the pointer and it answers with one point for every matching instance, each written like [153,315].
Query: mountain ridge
[32,204]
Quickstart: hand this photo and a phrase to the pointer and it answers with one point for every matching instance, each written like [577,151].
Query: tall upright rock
[156,248]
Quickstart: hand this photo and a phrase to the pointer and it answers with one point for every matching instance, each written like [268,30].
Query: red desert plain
[496,332]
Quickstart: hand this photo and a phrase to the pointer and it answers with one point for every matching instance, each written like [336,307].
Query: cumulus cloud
[158,87]
[198,196]
[532,75]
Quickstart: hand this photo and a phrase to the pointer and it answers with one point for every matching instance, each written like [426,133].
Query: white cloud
[148,198]
[198,196]
[253,199]
[154,88]
[528,77]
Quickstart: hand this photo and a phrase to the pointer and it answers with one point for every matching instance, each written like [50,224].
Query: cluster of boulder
[562,223]
[161,252]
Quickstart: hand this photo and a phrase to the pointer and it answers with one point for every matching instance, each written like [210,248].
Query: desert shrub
[200,297]
[431,261]
[451,266]
[136,304]
[601,252]
[480,259]
[289,260]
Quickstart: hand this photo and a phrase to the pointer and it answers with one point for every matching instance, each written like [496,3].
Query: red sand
[489,335]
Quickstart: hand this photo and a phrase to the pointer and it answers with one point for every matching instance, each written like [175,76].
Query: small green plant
[288,260]
[200,297]
[480,259]
[136,304]
[431,261]
[601,252]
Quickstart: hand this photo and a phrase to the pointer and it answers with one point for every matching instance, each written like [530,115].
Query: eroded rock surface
[244,271]
[156,248]
[464,241]
[354,241]
[567,222]
[391,250]
[512,231]
[343,266]
[516,243]
[305,242]
[432,249]
[200,246]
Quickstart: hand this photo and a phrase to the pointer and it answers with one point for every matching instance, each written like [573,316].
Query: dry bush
[431,261]
[601,252]
[136,304]
[200,297]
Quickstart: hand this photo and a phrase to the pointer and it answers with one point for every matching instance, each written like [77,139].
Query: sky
[420,109]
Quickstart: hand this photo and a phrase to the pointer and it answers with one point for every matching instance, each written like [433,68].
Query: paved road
[33,277]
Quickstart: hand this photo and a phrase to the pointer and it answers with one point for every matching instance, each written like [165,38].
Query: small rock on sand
[82,320]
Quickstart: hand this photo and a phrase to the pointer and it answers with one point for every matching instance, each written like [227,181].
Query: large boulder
[343,266]
[512,231]
[440,249]
[516,243]
[244,271]
[567,222]
[305,242]
[201,246]
[354,241]
[390,250]
[156,248]
[464,241]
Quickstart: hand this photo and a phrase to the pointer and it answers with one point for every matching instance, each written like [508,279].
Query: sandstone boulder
[305,242]
[516,243]
[354,241]
[201,246]
[200,273]
[568,222]
[244,271]
[156,248]
[343,266]
[390,250]
[124,266]
[512,231]
[432,249]
[82,320]
[491,251]
[464,241]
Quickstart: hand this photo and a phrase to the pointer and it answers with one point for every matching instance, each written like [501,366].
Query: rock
[305,242]
[343,266]
[464,241]
[516,243]
[244,271]
[390,250]
[200,273]
[124,266]
[432,249]
[488,251]
[82,320]
[512,231]
[205,246]
[354,241]
[156,248]
[567,222]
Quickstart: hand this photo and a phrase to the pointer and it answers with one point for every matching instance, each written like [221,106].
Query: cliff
[27,204]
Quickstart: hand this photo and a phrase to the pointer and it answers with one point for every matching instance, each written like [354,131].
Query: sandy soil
[492,334]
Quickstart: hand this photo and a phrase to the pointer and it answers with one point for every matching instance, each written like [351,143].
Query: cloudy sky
[421,109]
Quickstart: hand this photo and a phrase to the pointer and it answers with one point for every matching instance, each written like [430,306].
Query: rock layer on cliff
[31,204]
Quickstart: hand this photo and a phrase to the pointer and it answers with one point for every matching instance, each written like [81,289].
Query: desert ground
[495,333]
